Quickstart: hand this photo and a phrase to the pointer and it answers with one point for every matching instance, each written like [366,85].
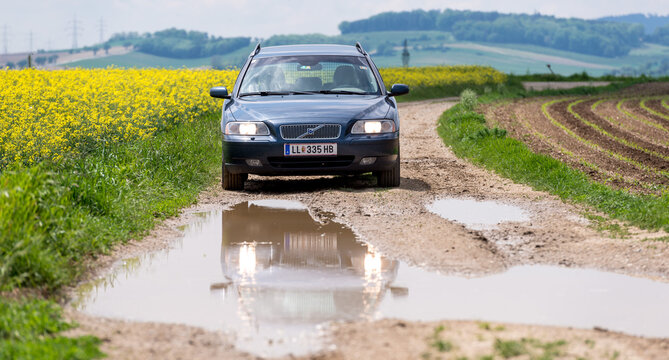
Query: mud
[397,224]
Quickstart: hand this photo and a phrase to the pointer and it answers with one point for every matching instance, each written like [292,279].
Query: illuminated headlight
[373,127]
[246,128]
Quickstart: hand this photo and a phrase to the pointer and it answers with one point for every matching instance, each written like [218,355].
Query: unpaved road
[397,224]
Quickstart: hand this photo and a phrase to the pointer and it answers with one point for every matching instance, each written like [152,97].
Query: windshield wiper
[345,92]
[265,93]
[268,93]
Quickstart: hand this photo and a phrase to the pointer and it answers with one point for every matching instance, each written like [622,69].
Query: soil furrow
[560,112]
[656,106]
[659,153]
[543,125]
[634,107]
[540,143]
[608,111]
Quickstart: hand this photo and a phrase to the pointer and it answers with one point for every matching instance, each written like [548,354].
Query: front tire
[389,178]
[231,181]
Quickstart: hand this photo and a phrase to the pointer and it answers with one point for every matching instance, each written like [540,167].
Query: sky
[51,21]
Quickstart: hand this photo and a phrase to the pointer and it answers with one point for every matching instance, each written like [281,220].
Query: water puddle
[271,277]
[477,215]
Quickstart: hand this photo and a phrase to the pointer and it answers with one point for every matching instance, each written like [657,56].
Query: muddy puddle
[477,215]
[270,277]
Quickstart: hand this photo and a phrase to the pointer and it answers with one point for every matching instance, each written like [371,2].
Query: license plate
[309,149]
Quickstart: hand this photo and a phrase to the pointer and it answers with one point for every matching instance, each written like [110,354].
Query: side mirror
[398,89]
[219,92]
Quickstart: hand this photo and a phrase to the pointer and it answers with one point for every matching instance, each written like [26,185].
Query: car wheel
[231,181]
[389,178]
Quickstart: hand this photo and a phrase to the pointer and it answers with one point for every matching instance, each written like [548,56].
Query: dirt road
[397,223]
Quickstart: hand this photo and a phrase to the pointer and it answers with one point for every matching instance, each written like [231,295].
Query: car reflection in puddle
[285,268]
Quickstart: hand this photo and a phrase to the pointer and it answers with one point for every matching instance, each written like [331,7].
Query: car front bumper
[270,153]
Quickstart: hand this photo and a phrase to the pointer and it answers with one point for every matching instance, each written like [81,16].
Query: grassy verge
[54,216]
[465,131]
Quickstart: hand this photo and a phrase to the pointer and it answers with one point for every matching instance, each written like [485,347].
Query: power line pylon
[5,39]
[101,27]
[75,28]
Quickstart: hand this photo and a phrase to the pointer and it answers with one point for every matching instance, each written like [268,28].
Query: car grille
[305,162]
[310,131]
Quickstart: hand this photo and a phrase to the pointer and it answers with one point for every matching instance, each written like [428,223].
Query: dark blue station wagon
[310,110]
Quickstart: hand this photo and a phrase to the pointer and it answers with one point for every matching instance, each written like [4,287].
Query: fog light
[253,162]
[367,161]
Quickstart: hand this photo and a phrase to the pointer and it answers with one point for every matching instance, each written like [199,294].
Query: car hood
[343,107]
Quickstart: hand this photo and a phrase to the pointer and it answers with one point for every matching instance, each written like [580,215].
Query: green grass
[535,349]
[55,216]
[469,137]
[28,330]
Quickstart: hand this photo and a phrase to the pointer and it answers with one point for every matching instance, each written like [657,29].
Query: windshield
[309,74]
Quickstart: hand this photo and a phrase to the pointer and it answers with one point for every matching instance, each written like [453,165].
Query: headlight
[373,127]
[246,128]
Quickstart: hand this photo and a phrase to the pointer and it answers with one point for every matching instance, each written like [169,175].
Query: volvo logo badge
[310,131]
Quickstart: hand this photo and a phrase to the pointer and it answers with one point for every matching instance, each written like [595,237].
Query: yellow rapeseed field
[51,114]
[442,76]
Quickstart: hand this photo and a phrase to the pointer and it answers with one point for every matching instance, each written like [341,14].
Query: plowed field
[621,139]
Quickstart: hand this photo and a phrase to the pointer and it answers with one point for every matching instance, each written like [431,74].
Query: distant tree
[40,60]
[22,64]
[385,49]
[177,43]
[106,46]
[127,45]
[217,63]
[95,50]
[10,65]
[52,59]
[405,55]
[600,38]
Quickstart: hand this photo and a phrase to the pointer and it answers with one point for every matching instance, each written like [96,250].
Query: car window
[310,73]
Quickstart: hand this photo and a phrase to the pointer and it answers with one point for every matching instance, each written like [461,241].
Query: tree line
[601,38]
[178,43]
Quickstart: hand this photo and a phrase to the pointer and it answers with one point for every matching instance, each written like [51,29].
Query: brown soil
[396,222]
[525,120]
[650,134]
[634,106]
[604,157]
[394,339]
[560,113]
[584,110]
[656,105]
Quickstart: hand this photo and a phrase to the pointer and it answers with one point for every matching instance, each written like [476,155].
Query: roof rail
[256,50]
[359,47]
